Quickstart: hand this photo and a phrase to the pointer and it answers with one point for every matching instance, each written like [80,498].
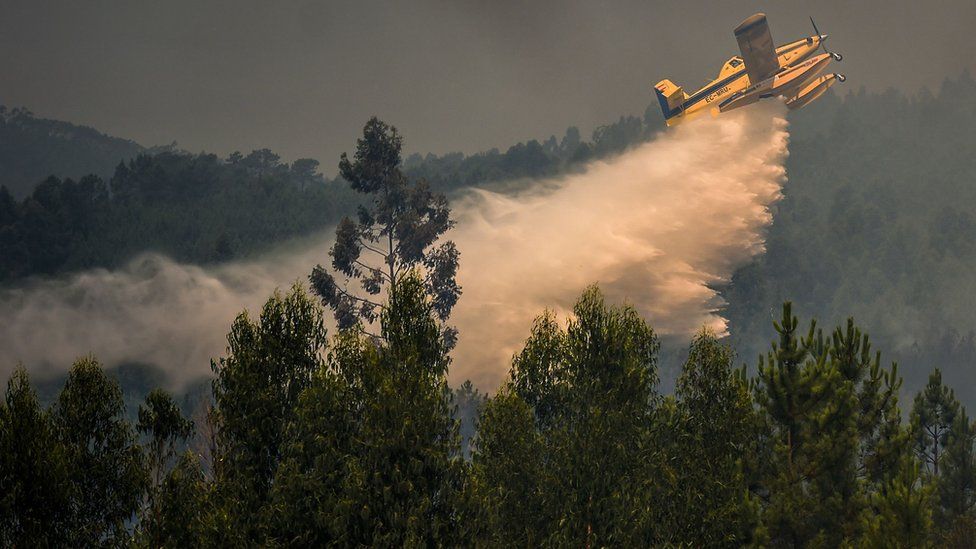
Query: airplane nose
[837,56]
[840,77]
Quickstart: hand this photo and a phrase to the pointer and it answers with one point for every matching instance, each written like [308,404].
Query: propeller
[823,39]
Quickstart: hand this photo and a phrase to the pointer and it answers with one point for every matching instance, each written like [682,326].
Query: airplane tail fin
[671,97]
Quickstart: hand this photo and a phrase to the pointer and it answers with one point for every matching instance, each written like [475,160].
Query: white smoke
[153,310]
[657,226]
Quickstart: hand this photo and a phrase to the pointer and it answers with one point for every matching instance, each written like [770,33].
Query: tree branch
[371,269]
[367,332]
[372,249]
[346,293]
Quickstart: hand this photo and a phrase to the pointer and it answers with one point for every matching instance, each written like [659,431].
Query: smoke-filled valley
[756,328]
[660,226]
[862,225]
[860,210]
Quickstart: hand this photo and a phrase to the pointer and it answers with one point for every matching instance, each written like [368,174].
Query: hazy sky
[302,77]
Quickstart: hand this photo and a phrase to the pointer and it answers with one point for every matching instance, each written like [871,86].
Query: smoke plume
[658,226]
[151,311]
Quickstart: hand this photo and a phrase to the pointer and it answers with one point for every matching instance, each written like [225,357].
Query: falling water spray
[658,226]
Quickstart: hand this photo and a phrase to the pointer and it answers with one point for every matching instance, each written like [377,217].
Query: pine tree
[836,440]
[793,387]
[932,417]
[956,485]
[943,441]
[900,513]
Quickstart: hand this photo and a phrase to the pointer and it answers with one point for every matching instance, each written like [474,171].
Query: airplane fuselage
[786,83]
[799,66]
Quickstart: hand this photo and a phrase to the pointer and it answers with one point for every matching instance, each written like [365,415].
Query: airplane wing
[756,45]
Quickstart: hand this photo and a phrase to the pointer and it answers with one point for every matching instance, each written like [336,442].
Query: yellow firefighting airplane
[790,71]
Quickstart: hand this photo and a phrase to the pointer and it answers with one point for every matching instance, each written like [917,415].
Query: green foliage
[256,388]
[960,534]
[34,496]
[589,391]
[835,439]
[933,416]
[509,475]
[398,227]
[165,425]
[195,208]
[899,514]
[712,434]
[957,481]
[182,507]
[373,456]
[105,464]
[943,441]
[161,420]
[877,221]
[362,447]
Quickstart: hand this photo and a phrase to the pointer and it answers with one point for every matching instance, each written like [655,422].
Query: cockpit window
[735,62]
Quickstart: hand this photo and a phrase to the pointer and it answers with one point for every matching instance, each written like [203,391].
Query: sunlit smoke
[658,226]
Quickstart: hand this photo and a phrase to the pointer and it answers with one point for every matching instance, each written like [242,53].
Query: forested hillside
[878,218]
[33,148]
[200,208]
[195,208]
[353,438]
[878,221]
[350,440]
